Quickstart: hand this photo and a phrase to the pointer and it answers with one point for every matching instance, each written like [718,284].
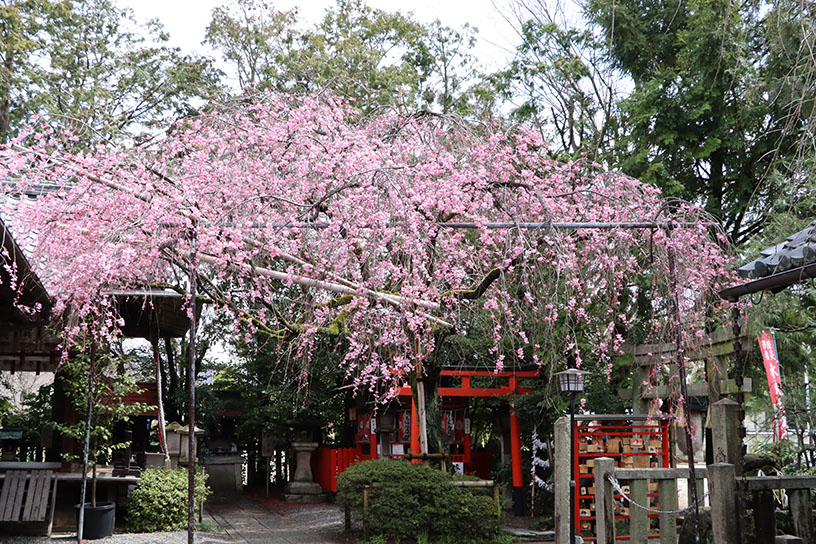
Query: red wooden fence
[327,463]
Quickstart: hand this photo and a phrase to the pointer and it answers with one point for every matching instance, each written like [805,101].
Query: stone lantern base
[302,488]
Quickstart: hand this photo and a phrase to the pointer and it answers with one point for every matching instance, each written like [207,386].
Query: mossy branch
[477,290]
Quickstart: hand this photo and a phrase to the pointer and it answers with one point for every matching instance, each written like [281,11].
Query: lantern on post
[571,382]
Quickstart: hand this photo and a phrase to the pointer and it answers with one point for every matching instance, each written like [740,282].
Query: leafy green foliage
[275,390]
[111,384]
[560,80]
[413,501]
[82,64]
[710,117]
[32,417]
[374,57]
[159,502]
[784,453]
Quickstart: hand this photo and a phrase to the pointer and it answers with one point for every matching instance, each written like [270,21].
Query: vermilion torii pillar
[515,455]
[414,430]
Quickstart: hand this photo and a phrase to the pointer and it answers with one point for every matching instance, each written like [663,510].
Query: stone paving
[242,521]
[249,522]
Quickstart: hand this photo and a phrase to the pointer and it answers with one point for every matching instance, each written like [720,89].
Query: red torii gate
[329,462]
[467,390]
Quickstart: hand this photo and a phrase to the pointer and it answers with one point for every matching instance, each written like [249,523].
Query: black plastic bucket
[99,520]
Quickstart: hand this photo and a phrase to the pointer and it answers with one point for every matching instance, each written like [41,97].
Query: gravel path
[259,521]
[176,537]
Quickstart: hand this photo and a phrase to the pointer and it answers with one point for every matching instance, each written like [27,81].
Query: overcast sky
[186,20]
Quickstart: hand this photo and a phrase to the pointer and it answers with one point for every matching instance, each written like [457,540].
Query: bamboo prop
[161,426]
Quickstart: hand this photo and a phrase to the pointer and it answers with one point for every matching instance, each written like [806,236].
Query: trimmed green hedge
[159,502]
[417,502]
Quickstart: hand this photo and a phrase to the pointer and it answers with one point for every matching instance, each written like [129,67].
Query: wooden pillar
[604,501]
[515,455]
[414,430]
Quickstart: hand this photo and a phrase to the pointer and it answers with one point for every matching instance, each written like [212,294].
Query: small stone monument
[303,488]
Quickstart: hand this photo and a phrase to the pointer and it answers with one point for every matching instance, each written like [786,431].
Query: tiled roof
[797,250]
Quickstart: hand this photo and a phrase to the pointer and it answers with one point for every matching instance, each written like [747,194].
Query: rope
[623,495]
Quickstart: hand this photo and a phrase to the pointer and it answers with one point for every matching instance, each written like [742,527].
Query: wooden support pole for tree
[160,408]
[422,423]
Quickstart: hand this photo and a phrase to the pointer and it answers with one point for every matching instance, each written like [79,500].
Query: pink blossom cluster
[309,219]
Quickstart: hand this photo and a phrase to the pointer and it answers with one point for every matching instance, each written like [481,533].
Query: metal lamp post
[571,382]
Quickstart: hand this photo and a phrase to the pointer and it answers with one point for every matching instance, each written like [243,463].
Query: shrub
[159,502]
[415,501]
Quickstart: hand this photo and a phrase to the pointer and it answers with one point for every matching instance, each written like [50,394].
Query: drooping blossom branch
[386,193]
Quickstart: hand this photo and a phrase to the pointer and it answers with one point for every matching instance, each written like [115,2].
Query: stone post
[604,501]
[802,513]
[638,518]
[764,517]
[723,490]
[667,491]
[561,471]
[725,426]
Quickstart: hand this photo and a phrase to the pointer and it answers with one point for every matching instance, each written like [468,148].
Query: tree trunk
[172,396]
[437,440]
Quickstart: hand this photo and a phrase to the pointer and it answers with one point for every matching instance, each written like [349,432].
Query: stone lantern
[303,488]
[183,432]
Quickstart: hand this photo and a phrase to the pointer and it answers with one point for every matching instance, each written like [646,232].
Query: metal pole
[86,444]
[572,469]
[191,439]
[520,225]
[681,366]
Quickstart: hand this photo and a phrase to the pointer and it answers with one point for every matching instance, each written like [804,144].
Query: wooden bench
[25,494]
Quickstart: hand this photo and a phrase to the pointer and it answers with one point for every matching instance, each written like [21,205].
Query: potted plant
[95,383]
